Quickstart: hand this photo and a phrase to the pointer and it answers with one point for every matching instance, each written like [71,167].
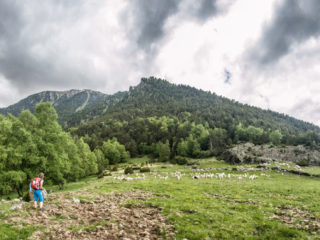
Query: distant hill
[67,103]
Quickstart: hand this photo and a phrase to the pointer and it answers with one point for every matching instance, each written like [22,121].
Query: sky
[262,53]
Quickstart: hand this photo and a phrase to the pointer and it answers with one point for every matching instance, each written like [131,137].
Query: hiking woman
[37,185]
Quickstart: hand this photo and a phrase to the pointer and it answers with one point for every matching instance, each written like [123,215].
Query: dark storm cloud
[150,17]
[21,33]
[146,19]
[294,22]
[10,20]
[206,9]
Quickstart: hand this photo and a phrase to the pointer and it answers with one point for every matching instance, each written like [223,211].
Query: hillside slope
[156,97]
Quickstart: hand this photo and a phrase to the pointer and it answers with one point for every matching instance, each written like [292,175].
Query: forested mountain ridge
[155,98]
[157,117]
[66,103]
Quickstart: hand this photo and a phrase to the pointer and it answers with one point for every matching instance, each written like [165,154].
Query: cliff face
[250,153]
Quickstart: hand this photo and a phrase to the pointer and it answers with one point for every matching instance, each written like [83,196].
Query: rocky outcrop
[250,153]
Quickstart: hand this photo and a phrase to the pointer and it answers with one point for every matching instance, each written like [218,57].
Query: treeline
[165,137]
[30,144]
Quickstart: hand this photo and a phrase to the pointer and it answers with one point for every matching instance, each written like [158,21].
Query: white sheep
[221,175]
[252,177]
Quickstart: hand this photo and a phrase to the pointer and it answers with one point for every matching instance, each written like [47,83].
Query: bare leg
[41,205]
[35,204]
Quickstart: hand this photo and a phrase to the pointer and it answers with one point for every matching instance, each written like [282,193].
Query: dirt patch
[298,218]
[82,215]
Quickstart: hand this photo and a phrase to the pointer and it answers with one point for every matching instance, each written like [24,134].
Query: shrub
[114,168]
[144,169]
[247,159]
[208,153]
[181,160]
[128,170]
[135,167]
[303,163]
[26,196]
[105,173]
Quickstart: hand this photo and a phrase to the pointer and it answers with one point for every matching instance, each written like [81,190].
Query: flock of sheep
[198,175]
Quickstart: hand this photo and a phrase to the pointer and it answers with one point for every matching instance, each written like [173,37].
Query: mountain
[154,97]
[157,97]
[157,115]
[68,104]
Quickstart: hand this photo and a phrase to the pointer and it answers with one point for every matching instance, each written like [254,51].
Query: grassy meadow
[200,205]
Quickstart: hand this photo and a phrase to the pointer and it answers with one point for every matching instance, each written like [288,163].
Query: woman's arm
[41,184]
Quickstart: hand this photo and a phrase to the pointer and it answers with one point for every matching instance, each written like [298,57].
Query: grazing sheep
[252,177]
[221,175]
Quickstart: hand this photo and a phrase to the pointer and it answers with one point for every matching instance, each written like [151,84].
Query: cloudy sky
[263,53]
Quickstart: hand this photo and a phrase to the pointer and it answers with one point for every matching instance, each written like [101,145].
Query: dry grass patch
[298,218]
[103,217]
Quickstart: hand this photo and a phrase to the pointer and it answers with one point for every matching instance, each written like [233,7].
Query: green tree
[182,148]
[164,151]
[12,181]
[88,158]
[101,160]
[114,151]
[218,140]
[275,137]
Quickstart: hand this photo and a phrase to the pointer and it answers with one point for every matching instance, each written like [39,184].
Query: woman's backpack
[35,183]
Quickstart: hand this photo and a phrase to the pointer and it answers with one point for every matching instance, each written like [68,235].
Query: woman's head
[41,175]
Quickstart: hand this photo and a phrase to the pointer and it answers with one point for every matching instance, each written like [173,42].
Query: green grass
[9,232]
[227,209]
[311,170]
[213,208]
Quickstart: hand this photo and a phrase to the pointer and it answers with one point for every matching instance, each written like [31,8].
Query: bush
[303,163]
[128,170]
[135,167]
[144,169]
[114,168]
[230,157]
[104,174]
[207,153]
[27,196]
[181,160]
[248,159]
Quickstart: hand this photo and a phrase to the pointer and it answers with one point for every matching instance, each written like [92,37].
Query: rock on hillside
[250,153]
